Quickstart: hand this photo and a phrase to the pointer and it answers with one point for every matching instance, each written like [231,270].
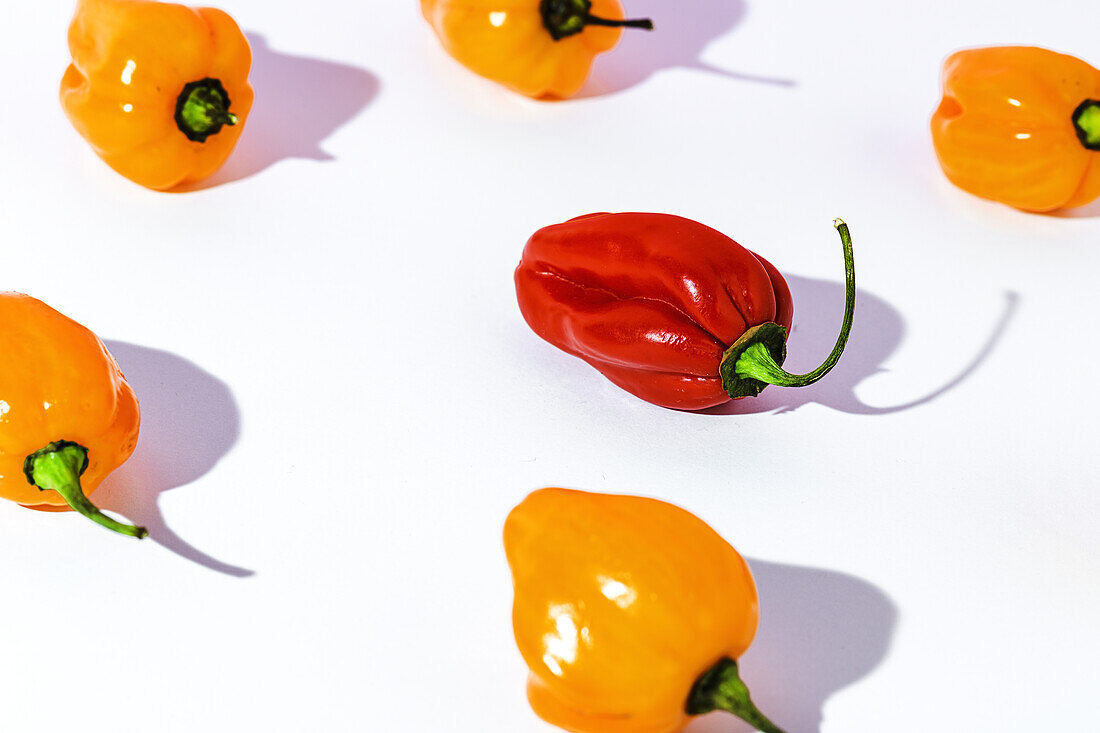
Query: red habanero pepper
[670,310]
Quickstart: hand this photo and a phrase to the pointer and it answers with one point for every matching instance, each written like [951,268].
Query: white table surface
[341,401]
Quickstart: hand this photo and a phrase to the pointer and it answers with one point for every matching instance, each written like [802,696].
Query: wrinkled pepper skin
[132,61]
[650,300]
[622,604]
[507,41]
[1007,127]
[58,383]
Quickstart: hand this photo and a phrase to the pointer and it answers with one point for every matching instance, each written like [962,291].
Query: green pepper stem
[757,362]
[1086,121]
[721,688]
[58,467]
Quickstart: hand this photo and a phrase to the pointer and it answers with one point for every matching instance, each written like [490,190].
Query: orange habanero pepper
[67,416]
[541,48]
[1020,125]
[630,613]
[160,91]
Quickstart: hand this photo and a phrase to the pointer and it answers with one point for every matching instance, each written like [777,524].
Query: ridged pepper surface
[67,416]
[540,48]
[630,613]
[159,90]
[670,310]
[1020,125]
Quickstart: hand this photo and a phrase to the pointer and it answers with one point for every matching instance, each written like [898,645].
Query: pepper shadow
[820,631]
[876,333]
[682,31]
[299,103]
[1088,211]
[189,421]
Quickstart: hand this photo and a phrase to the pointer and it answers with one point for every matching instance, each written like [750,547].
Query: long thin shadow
[299,103]
[189,421]
[820,631]
[741,75]
[682,31]
[1012,300]
[877,333]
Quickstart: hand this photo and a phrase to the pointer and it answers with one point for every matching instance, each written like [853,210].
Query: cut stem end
[1086,121]
[202,109]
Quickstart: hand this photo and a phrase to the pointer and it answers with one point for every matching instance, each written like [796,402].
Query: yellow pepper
[1020,125]
[538,48]
[67,416]
[630,613]
[160,91]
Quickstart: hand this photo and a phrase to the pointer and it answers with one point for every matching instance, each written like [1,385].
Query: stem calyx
[58,467]
[202,109]
[1086,122]
[771,338]
[755,360]
[721,688]
[564,18]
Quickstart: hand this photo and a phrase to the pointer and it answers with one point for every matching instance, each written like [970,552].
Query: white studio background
[341,401]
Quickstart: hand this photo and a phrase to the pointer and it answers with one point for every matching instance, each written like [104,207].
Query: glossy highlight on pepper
[670,310]
[67,416]
[160,91]
[540,48]
[629,612]
[1020,125]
